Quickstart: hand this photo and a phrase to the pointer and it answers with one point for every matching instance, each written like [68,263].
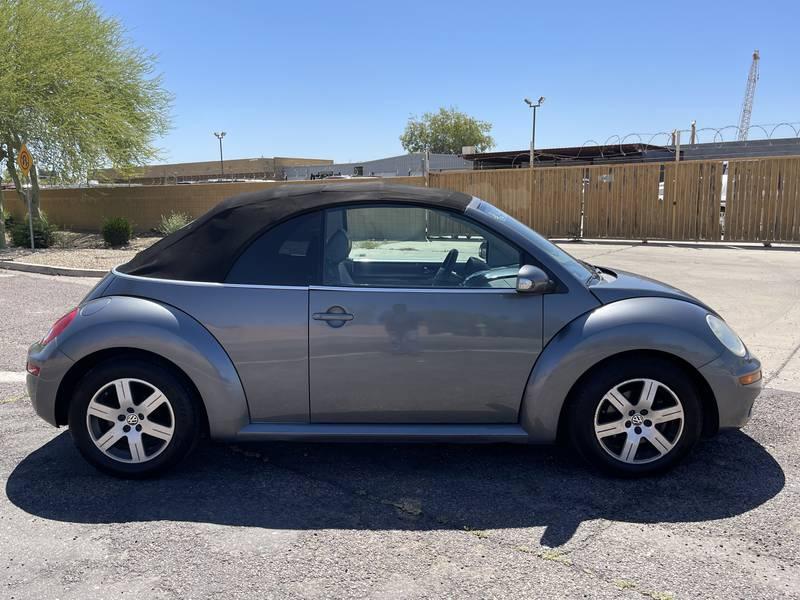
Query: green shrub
[43,232]
[9,220]
[117,231]
[172,222]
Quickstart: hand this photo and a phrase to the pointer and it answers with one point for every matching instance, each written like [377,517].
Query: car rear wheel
[133,418]
[635,416]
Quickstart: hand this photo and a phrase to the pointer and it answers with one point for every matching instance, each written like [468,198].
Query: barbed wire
[614,144]
[765,131]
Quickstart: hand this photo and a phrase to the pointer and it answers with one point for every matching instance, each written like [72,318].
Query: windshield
[571,264]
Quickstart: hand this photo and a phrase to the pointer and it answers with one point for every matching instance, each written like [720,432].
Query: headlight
[726,335]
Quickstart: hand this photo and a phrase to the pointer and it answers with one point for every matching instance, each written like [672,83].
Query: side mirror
[532,280]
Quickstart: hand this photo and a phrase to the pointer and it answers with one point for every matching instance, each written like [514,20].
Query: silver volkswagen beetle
[381,312]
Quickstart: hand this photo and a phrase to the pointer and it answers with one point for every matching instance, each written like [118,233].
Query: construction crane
[749,93]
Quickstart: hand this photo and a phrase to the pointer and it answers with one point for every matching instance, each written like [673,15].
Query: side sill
[396,433]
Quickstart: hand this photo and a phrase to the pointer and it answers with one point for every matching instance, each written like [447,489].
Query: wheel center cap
[132,420]
[636,419]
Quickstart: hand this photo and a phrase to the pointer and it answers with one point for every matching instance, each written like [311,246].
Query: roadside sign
[24,160]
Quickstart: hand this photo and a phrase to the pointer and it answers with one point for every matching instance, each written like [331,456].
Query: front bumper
[734,400]
[43,388]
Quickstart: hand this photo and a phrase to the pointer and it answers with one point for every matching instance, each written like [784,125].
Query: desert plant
[117,231]
[62,239]
[43,232]
[172,222]
[9,220]
[93,98]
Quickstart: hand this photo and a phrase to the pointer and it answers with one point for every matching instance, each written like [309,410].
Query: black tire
[184,416]
[585,407]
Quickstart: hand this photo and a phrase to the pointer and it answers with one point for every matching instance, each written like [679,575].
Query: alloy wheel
[130,420]
[639,421]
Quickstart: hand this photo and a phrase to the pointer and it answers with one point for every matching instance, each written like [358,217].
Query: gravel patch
[80,251]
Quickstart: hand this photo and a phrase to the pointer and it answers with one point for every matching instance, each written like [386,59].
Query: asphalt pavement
[418,521]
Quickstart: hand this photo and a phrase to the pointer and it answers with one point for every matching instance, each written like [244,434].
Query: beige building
[239,168]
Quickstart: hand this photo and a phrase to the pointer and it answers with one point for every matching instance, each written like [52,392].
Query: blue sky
[339,79]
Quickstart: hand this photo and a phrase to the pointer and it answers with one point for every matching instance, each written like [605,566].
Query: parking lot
[409,521]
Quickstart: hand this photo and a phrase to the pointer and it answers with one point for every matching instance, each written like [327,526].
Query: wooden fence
[547,199]
[747,200]
[671,201]
[763,200]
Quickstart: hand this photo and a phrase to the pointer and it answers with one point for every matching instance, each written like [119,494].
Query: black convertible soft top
[206,249]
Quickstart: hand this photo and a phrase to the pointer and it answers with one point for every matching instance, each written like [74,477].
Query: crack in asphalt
[11,399]
[777,372]
[592,536]
[612,251]
[415,511]
[542,553]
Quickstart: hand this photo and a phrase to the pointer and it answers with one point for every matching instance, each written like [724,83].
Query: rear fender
[126,322]
[666,325]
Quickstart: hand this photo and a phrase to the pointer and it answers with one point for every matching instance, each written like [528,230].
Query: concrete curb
[50,270]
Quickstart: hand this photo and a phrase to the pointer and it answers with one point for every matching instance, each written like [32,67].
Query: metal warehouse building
[237,168]
[405,164]
[634,153]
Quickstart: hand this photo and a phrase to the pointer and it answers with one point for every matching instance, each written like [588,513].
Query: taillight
[59,326]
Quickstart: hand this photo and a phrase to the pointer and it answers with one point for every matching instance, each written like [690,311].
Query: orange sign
[24,160]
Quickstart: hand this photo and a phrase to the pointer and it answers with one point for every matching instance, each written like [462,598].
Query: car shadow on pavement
[389,486]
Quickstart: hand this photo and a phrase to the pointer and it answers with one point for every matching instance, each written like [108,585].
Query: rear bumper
[734,400]
[43,388]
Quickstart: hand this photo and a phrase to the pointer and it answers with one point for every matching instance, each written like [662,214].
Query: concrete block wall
[86,209]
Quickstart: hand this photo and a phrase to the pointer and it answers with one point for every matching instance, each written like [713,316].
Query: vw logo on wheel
[635,419]
[132,419]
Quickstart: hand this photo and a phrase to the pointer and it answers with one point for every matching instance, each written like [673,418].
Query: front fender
[128,322]
[666,325]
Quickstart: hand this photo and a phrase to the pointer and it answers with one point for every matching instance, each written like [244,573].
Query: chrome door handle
[329,316]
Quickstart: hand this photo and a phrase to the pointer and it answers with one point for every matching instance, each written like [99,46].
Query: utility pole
[3,156]
[533,125]
[220,135]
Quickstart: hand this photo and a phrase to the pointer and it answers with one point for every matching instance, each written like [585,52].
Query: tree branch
[12,170]
[2,216]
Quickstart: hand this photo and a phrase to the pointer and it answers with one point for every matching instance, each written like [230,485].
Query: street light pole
[220,135]
[533,125]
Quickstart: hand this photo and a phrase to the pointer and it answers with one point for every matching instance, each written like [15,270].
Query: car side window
[287,254]
[411,246]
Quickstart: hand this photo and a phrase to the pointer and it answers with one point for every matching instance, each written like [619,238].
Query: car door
[394,338]
[261,317]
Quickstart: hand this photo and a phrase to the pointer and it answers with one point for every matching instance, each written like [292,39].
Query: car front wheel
[635,416]
[132,418]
